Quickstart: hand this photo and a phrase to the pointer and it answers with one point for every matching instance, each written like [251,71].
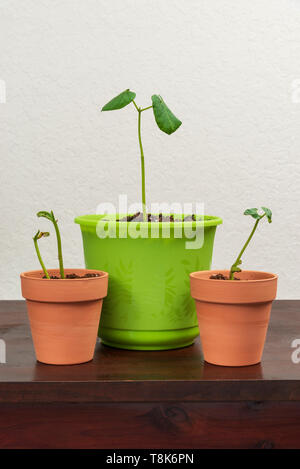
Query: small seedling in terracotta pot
[233,308]
[63,306]
[40,234]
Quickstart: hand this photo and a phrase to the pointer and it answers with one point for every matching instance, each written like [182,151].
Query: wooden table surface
[135,399]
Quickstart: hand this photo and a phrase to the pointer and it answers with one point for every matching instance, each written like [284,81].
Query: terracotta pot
[64,314]
[233,315]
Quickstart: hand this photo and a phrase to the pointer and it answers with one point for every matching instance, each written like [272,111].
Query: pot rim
[34,275]
[269,276]
[94,219]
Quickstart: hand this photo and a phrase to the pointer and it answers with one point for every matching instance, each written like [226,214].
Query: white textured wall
[225,67]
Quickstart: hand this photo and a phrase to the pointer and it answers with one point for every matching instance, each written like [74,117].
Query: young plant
[39,235]
[253,212]
[50,216]
[164,118]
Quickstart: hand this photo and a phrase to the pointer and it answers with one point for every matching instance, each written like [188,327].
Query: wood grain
[146,425]
[169,399]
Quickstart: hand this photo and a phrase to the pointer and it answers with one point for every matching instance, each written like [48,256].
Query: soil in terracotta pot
[72,276]
[155,218]
[221,277]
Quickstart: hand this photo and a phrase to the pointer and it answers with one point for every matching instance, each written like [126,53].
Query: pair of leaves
[49,216]
[41,234]
[253,212]
[44,214]
[165,119]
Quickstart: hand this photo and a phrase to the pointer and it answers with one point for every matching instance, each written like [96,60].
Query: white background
[225,67]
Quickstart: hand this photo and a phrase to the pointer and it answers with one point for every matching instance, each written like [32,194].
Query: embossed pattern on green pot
[148,287]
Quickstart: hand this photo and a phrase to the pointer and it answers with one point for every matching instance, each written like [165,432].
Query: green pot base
[145,348]
[148,340]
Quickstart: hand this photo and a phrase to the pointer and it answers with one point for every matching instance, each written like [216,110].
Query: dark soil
[72,276]
[221,277]
[156,218]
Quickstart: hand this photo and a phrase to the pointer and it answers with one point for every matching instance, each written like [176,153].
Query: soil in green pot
[138,216]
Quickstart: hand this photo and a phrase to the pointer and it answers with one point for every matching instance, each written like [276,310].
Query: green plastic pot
[148,306]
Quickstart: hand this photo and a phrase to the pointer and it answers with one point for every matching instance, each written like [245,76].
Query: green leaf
[120,101]
[252,212]
[44,214]
[164,118]
[268,213]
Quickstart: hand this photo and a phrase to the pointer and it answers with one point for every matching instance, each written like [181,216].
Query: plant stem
[40,258]
[142,167]
[236,263]
[135,105]
[140,110]
[59,250]
[145,108]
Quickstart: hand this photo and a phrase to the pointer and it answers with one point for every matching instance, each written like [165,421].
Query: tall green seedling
[164,118]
